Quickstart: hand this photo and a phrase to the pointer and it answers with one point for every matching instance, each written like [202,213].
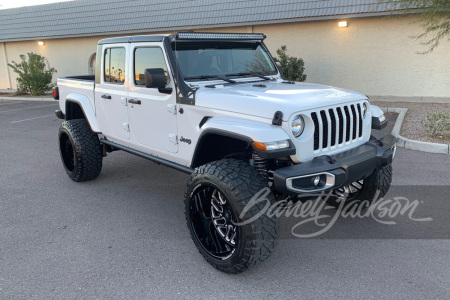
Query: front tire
[367,190]
[80,150]
[215,197]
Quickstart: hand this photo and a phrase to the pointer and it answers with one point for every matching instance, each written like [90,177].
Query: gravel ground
[412,127]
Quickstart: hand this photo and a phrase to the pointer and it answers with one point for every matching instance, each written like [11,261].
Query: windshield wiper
[210,77]
[249,74]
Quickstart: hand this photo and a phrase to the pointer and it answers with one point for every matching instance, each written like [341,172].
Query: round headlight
[297,125]
[364,110]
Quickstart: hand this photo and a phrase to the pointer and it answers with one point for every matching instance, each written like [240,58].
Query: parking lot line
[27,108]
[31,119]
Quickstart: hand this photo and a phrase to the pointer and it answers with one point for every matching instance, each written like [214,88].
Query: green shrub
[437,123]
[34,76]
[292,67]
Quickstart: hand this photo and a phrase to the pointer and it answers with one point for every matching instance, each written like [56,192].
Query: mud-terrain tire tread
[243,182]
[380,180]
[87,148]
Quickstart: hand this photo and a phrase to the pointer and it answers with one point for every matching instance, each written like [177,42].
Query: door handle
[134,101]
[105,96]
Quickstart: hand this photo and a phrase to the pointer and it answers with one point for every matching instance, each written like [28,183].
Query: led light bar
[219,36]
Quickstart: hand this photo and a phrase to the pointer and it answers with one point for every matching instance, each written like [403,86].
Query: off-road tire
[374,187]
[238,182]
[380,181]
[85,162]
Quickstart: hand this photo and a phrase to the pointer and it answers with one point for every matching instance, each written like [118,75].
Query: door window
[148,58]
[114,68]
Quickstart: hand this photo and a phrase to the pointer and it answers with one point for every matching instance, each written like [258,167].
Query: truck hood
[263,99]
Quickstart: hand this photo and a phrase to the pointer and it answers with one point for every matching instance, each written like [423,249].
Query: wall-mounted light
[342,24]
[41,43]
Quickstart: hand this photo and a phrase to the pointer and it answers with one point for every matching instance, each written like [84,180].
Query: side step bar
[148,156]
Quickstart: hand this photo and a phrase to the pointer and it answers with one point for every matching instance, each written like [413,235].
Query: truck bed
[81,77]
[81,85]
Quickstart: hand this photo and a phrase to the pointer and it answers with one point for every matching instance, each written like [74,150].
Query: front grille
[334,126]
[360,123]
[325,128]
[341,125]
[347,129]
[316,125]
[354,119]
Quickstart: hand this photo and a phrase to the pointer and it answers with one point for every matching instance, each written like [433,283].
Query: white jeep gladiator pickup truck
[215,106]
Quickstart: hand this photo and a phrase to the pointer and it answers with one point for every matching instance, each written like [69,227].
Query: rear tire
[80,150]
[215,197]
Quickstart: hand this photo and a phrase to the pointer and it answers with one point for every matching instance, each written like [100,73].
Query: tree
[434,17]
[34,76]
[292,67]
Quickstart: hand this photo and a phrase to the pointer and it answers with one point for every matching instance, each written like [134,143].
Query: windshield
[203,60]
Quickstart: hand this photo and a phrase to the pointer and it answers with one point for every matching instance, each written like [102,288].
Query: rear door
[153,122]
[111,94]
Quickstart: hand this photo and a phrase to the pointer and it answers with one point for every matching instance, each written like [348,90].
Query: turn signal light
[271,145]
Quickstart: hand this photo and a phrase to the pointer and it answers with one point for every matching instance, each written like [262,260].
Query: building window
[148,58]
[114,67]
[91,63]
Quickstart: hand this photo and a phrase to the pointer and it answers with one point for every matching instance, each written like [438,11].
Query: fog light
[394,150]
[316,180]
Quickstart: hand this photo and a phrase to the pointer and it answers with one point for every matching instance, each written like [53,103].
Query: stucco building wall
[67,56]
[374,56]
[4,81]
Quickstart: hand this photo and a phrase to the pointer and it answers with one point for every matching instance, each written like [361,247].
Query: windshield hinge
[173,138]
[172,108]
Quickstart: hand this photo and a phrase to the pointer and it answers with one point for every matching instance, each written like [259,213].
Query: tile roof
[100,17]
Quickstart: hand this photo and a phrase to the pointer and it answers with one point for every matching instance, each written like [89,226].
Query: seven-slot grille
[335,126]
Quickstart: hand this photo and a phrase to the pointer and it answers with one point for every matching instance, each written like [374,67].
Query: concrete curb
[4,99]
[410,99]
[413,144]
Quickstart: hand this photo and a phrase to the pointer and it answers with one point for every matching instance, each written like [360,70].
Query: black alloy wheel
[213,221]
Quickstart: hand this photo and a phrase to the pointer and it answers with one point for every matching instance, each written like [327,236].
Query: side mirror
[155,78]
[280,68]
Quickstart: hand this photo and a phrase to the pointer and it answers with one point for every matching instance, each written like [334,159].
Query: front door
[152,115]
[111,93]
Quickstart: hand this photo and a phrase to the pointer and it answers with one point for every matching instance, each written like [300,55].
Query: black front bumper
[335,170]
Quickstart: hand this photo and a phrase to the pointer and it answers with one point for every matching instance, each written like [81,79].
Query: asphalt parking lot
[123,235]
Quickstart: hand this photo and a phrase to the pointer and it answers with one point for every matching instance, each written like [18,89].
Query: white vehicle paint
[215,106]
[247,108]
